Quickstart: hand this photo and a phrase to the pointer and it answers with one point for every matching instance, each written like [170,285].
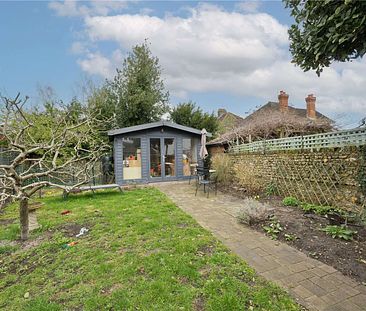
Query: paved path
[313,284]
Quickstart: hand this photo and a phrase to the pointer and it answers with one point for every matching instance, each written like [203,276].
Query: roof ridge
[146,126]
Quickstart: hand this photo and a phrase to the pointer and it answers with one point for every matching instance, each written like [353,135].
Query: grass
[141,253]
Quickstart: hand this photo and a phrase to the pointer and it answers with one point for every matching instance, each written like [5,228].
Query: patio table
[205,178]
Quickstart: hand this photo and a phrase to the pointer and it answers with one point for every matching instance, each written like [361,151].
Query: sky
[219,54]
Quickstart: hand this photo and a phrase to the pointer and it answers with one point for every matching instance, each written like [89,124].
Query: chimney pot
[310,106]
[283,101]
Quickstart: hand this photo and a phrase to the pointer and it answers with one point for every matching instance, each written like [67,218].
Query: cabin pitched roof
[162,123]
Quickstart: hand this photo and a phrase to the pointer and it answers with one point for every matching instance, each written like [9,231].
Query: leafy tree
[326,31]
[137,91]
[99,100]
[103,107]
[189,114]
[75,110]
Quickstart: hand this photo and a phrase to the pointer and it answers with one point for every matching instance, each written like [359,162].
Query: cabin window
[131,158]
[189,155]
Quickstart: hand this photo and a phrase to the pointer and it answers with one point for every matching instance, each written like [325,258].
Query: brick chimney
[283,101]
[310,106]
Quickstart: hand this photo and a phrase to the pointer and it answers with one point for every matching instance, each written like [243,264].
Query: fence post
[93,172]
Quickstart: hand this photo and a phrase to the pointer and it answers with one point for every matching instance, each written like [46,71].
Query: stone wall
[329,177]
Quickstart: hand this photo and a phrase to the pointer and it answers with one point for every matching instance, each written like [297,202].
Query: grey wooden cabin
[159,151]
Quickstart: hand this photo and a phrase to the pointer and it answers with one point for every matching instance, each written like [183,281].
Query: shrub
[340,232]
[273,229]
[332,213]
[290,201]
[317,209]
[252,212]
[222,164]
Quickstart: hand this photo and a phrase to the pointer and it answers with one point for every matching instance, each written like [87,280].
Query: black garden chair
[207,179]
[193,171]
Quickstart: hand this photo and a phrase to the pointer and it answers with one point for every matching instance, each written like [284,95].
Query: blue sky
[230,54]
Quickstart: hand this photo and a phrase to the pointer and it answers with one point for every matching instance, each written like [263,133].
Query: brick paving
[312,283]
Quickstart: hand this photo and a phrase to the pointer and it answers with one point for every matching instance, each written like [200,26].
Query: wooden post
[93,172]
[24,218]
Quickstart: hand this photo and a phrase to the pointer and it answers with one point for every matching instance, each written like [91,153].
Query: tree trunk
[24,218]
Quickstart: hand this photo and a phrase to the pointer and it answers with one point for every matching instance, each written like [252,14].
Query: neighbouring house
[227,120]
[275,120]
[159,151]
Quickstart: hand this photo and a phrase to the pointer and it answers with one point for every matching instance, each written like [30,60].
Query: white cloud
[78,48]
[146,11]
[248,6]
[214,50]
[74,8]
[66,8]
[198,50]
[97,64]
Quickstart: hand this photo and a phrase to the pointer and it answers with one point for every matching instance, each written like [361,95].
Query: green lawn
[141,253]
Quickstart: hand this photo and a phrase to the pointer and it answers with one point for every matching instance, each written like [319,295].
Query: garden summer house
[159,151]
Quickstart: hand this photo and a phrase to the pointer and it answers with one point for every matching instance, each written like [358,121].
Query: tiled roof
[270,118]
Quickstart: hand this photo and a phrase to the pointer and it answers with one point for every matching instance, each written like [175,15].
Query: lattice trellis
[321,178]
[320,183]
[362,172]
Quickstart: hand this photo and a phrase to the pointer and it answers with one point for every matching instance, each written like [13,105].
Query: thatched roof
[269,122]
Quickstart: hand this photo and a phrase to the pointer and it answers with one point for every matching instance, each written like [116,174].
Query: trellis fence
[100,173]
[355,137]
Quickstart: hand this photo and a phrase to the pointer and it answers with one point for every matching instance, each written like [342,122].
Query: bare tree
[362,122]
[56,151]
